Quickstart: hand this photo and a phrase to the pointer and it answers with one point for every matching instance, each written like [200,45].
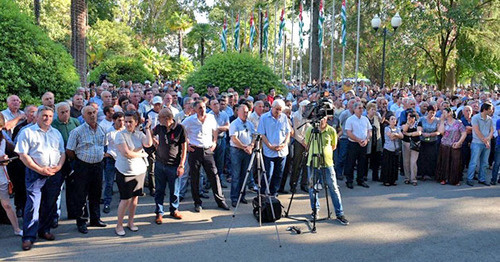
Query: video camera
[315,111]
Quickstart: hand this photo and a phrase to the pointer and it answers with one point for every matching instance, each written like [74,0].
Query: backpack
[267,213]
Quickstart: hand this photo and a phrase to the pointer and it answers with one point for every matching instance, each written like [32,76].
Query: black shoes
[349,185]
[282,191]
[244,201]
[83,229]
[234,203]
[106,209]
[224,206]
[469,183]
[304,188]
[363,184]
[97,223]
[47,236]
[484,183]
[342,220]
[197,208]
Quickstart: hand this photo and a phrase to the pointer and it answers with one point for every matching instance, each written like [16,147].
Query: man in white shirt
[201,130]
[359,132]
[13,115]
[258,110]
[107,122]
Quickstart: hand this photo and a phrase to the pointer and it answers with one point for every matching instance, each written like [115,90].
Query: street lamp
[396,22]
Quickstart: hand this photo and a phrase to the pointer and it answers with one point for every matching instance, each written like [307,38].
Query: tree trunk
[180,43]
[315,46]
[202,53]
[36,5]
[78,38]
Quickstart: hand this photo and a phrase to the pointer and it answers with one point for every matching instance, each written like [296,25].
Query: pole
[284,58]
[333,32]
[343,65]
[267,49]
[383,59]
[357,45]
[232,25]
[260,32]
[310,42]
[291,45]
[275,27]
[243,42]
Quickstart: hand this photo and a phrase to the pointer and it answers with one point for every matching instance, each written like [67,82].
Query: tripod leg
[269,199]
[241,194]
[327,187]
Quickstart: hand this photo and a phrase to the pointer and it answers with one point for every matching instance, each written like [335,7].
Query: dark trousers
[48,206]
[31,218]
[274,170]
[88,185]
[204,157]
[299,166]
[355,153]
[286,171]
[17,172]
[374,158]
[149,182]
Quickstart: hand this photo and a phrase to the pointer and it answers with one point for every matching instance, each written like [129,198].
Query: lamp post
[396,22]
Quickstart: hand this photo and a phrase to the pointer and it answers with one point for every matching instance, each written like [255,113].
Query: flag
[282,26]
[237,33]
[321,18]
[266,31]
[344,21]
[252,32]
[301,25]
[223,37]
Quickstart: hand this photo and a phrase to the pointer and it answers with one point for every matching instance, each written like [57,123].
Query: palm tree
[78,37]
[200,34]
[36,5]
[179,23]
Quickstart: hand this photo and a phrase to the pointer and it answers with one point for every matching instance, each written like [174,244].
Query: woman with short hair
[427,158]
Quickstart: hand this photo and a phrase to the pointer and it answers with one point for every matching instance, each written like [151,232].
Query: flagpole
[243,43]
[275,27]
[260,34]
[291,43]
[344,34]
[357,45]
[301,26]
[267,47]
[321,15]
[310,41]
[284,48]
[232,25]
[333,42]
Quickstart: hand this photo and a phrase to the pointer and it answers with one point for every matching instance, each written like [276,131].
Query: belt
[89,164]
[200,147]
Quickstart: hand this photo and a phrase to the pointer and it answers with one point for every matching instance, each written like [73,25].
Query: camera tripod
[317,160]
[261,172]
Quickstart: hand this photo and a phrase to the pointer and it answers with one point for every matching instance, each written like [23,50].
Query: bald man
[13,115]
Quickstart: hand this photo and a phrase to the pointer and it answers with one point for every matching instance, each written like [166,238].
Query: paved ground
[429,222]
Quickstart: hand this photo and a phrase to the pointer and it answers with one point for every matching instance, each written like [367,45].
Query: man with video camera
[328,142]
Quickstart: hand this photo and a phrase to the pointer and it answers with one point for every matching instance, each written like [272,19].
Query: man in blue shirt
[275,131]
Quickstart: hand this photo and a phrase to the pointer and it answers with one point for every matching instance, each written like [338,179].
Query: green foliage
[100,10]
[237,70]
[109,38]
[181,67]
[122,68]
[31,63]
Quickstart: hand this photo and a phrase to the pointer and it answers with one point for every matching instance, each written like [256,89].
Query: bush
[237,70]
[30,63]
[122,68]
[181,67]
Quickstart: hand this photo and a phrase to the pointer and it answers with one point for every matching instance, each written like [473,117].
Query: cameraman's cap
[304,103]
[157,100]
[147,82]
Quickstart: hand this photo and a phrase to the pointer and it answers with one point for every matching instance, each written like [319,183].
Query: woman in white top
[131,166]
[4,183]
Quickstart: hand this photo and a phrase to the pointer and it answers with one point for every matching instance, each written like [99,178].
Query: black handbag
[414,145]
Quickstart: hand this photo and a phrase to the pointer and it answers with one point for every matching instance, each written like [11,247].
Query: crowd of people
[155,135]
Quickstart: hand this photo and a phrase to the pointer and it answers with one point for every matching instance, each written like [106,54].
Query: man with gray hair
[86,146]
[13,115]
[41,149]
[275,131]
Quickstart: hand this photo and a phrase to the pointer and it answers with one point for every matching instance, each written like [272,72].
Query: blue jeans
[219,155]
[479,153]
[274,170]
[496,166]
[109,179]
[331,181]
[34,184]
[239,161]
[341,159]
[166,174]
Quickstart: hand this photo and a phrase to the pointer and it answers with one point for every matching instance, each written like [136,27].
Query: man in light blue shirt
[275,130]
[222,127]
